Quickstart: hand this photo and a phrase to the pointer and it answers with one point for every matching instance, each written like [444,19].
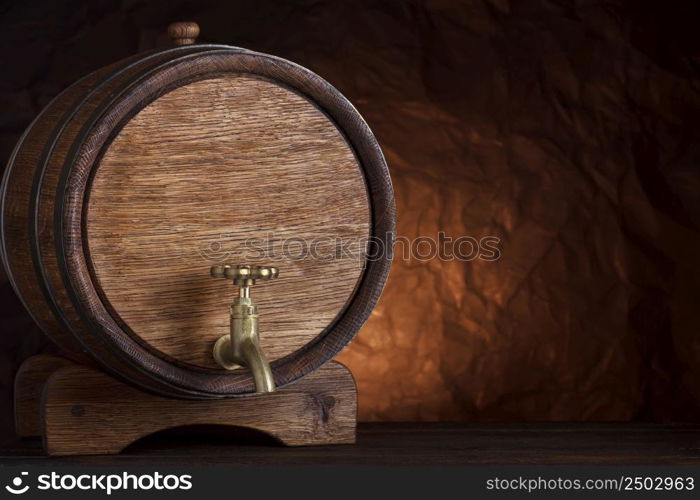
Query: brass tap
[241,347]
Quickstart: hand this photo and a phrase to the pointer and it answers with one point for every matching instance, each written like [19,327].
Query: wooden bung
[183,33]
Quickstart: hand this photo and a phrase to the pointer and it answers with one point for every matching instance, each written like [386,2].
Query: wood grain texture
[203,175]
[166,375]
[47,207]
[63,278]
[409,444]
[29,385]
[29,187]
[18,199]
[86,412]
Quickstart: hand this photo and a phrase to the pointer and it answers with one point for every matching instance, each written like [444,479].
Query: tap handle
[244,275]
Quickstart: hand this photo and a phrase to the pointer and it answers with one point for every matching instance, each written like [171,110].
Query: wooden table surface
[409,444]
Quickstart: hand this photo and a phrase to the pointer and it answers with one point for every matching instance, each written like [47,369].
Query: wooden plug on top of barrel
[183,33]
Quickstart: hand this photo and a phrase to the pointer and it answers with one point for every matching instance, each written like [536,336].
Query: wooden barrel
[138,178]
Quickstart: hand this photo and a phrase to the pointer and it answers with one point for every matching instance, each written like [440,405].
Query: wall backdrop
[570,131]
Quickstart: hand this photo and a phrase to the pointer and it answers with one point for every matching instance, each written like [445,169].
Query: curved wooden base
[81,411]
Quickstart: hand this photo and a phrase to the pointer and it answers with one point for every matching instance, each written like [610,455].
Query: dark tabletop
[409,444]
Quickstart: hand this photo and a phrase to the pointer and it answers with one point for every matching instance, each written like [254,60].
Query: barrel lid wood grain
[214,154]
[222,170]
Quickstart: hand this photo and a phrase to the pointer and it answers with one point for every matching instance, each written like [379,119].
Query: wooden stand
[82,411]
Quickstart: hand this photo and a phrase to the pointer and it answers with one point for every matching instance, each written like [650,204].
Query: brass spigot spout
[241,347]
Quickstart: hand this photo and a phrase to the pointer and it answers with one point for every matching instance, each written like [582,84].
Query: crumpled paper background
[569,130]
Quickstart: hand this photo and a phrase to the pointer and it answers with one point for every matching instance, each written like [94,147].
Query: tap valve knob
[244,275]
